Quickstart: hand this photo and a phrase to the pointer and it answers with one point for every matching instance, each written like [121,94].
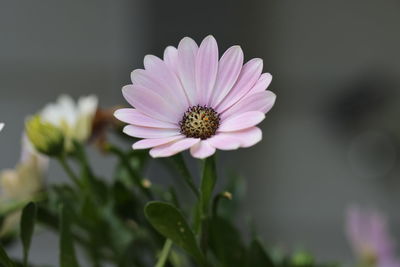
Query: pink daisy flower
[192,99]
[370,239]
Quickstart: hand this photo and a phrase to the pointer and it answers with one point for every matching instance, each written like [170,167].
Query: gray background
[331,140]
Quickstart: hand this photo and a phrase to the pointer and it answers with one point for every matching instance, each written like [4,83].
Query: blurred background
[332,139]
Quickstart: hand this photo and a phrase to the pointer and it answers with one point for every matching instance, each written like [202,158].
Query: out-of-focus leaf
[67,250]
[4,259]
[257,256]
[169,222]
[124,201]
[303,259]
[237,187]
[225,243]
[28,219]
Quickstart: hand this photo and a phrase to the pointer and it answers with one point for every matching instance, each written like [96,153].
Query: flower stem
[63,161]
[183,170]
[208,181]
[164,253]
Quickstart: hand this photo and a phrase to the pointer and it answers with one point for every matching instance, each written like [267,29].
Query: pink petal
[250,73]
[133,116]
[202,150]
[171,58]
[206,69]
[224,141]
[247,137]
[170,84]
[229,68]
[153,142]
[187,52]
[241,121]
[262,83]
[261,101]
[173,147]
[149,132]
[151,103]
[143,78]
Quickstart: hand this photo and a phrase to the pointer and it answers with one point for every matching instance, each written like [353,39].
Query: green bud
[45,137]
[302,258]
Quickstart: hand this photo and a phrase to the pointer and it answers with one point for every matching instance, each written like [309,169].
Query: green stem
[183,170]
[82,158]
[164,253]
[63,161]
[134,175]
[208,181]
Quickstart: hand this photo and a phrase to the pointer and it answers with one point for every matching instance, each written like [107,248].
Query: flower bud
[45,137]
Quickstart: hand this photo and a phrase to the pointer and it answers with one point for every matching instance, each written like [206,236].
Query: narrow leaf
[27,225]
[4,259]
[67,250]
[169,222]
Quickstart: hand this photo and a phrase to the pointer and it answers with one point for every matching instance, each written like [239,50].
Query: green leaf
[169,222]
[225,243]
[257,256]
[208,182]
[28,219]
[67,251]
[4,259]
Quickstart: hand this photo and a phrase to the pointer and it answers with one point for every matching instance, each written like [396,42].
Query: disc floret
[200,122]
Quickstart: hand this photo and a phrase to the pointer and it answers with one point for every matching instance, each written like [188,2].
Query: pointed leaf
[169,222]
[67,250]
[4,259]
[257,256]
[226,243]
[28,219]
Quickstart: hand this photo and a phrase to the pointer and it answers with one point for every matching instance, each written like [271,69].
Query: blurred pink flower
[192,99]
[370,239]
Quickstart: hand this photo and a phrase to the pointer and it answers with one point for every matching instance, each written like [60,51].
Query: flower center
[199,122]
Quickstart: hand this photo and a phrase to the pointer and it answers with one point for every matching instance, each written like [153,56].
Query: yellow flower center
[199,122]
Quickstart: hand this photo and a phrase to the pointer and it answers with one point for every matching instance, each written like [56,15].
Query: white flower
[74,119]
[1,126]
[22,183]
[26,179]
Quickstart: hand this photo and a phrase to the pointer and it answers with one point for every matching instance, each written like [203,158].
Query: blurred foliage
[129,221]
